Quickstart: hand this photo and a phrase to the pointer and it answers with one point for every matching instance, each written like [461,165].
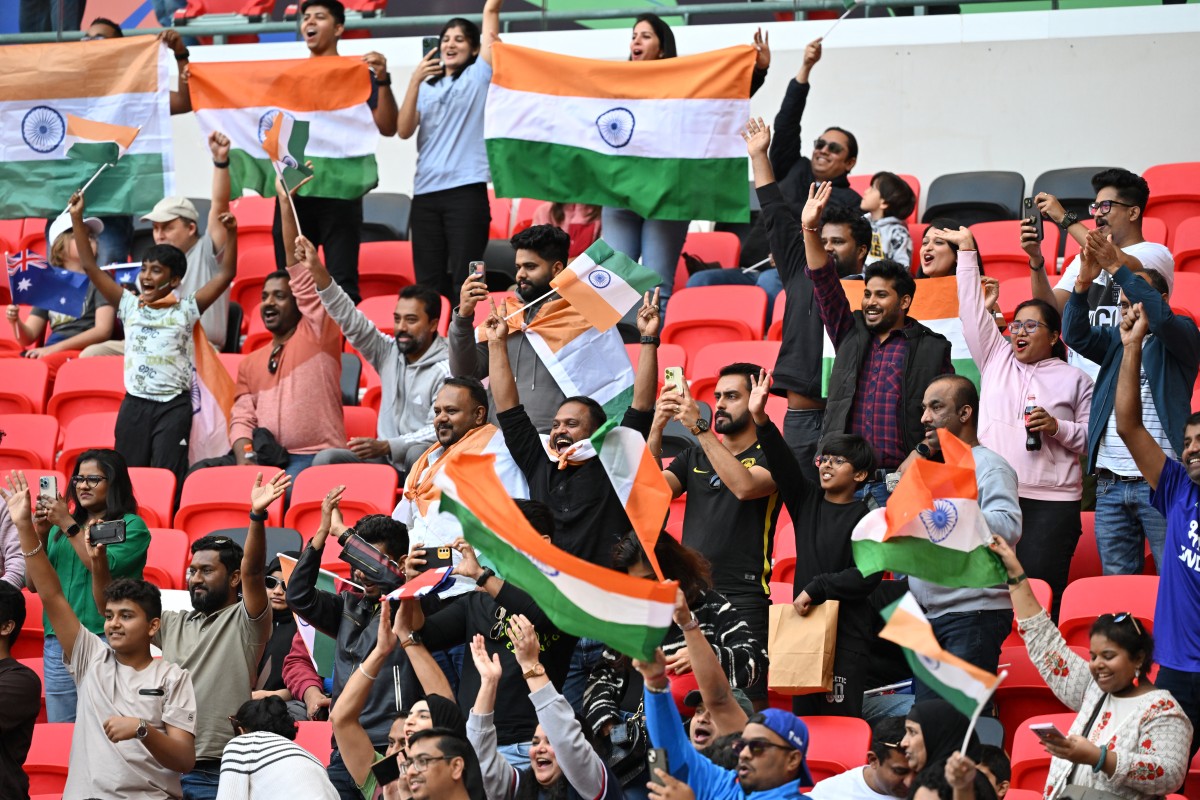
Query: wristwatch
[654,340]
[413,638]
[73,530]
[700,427]
[1069,219]
[923,450]
[143,730]
[534,671]
[484,576]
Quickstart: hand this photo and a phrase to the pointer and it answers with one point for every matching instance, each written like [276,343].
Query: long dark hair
[530,789]
[678,563]
[1053,321]
[947,224]
[471,31]
[119,501]
[666,38]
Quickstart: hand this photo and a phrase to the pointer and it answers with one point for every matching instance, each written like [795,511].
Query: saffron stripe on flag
[102,68]
[285,84]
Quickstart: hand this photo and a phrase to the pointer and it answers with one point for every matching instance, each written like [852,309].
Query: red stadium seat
[314,736]
[1086,561]
[775,331]
[30,440]
[1000,245]
[1013,292]
[501,208]
[1174,194]
[842,740]
[526,209]
[1153,230]
[373,388]
[154,489]
[49,754]
[38,666]
[782,593]
[360,421]
[167,558]
[1044,595]
[384,268]
[669,355]
[1186,247]
[370,489]
[29,643]
[1085,599]
[87,386]
[85,432]
[784,570]
[26,382]
[381,310]
[702,375]
[1022,794]
[715,247]
[785,540]
[1030,761]
[1024,693]
[255,216]
[1185,294]
[219,497]
[254,265]
[860,184]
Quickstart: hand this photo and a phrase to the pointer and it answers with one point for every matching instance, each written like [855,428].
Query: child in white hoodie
[887,203]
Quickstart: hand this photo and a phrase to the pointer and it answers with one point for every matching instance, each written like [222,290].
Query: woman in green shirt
[99,490]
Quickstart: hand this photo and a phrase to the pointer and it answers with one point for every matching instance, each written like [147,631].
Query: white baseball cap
[62,224]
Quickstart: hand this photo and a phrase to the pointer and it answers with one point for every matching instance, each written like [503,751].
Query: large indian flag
[117,84]
[932,527]
[604,284]
[935,305]
[962,685]
[660,138]
[630,615]
[242,100]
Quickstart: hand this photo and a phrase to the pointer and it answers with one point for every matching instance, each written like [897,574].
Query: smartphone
[48,487]
[435,557]
[1031,212]
[477,269]
[431,43]
[1044,730]
[112,532]
[656,758]
[386,771]
[673,376]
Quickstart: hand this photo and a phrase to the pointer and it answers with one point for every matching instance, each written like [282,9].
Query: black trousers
[1050,530]
[153,434]
[449,230]
[334,224]
[849,683]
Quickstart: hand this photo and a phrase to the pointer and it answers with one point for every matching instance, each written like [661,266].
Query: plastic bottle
[1033,439]
[248,453]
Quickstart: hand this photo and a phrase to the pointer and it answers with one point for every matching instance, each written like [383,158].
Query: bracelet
[221,164]
[184,56]
[1016,580]
[1103,757]
[690,625]
[810,230]
[257,517]
[655,690]
[33,552]
[363,670]
[386,82]
[72,531]
[1032,268]
[650,340]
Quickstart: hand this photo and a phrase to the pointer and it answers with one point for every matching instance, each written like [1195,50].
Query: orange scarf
[419,488]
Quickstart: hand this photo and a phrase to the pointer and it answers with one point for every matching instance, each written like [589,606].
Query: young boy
[824,516]
[155,420]
[888,202]
[136,714]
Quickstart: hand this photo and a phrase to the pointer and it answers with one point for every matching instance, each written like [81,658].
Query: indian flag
[962,685]
[285,142]
[935,305]
[604,284]
[321,648]
[97,142]
[243,100]
[637,480]
[657,137]
[630,615]
[89,98]
[212,401]
[932,527]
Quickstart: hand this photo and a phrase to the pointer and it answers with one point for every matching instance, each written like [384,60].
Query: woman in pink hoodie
[1034,412]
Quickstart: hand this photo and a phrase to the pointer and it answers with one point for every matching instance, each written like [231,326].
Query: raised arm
[502,383]
[785,151]
[1146,452]
[181,100]
[746,484]
[979,327]
[352,740]
[219,284]
[254,555]
[490,32]
[727,715]
[407,117]
[218,145]
[385,111]
[322,610]
[287,223]
[645,378]
[109,289]
[499,777]
[429,674]
[758,141]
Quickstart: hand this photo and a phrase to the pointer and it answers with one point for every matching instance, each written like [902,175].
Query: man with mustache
[412,367]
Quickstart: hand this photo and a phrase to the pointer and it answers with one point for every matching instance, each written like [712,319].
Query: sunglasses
[273,362]
[825,144]
[1026,326]
[1125,615]
[756,746]
[1105,206]
[272,583]
[92,481]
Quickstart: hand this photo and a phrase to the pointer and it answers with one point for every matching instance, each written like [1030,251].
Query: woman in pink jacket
[1034,412]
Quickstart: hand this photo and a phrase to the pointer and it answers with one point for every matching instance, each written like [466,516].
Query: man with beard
[884,360]
[412,367]
[732,502]
[542,252]
[221,641]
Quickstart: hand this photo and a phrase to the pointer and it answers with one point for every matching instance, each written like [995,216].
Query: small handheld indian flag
[962,685]
[97,142]
[630,615]
[321,648]
[284,143]
[603,284]
[932,527]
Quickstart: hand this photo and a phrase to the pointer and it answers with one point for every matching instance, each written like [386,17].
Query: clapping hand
[488,666]
[262,496]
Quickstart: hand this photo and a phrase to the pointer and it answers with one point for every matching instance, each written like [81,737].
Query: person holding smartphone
[444,108]
[99,490]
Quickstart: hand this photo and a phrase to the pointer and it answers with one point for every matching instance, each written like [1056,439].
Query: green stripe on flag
[655,188]
[920,558]
[617,406]
[341,178]
[926,671]
[95,152]
[640,278]
[42,188]
[637,641]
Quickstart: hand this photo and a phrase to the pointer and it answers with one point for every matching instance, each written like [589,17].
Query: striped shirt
[1112,454]
[262,764]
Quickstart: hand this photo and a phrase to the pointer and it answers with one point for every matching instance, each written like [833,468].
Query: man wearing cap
[771,750]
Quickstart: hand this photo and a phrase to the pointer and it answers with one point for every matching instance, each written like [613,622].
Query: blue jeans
[1124,517]
[41,16]
[973,636]
[516,754]
[451,662]
[339,776]
[732,276]
[1186,688]
[200,784]
[874,492]
[657,242]
[887,705]
[115,240]
[60,686]
[585,656]
[164,11]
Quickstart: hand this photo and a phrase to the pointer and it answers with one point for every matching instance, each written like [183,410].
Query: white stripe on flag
[954,523]
[346,133]
[948,674]
[119,109]
[617,293]
[589,364]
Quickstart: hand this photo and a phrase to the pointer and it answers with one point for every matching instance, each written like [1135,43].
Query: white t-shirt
[1112,454]
[159,351]
[850,785]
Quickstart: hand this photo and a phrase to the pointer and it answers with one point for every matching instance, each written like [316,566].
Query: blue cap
[793,731]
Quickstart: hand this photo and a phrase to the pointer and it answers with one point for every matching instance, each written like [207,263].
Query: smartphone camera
[112,532]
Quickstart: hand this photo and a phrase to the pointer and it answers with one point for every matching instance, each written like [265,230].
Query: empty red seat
[702,375]
[501,208]
[1087,598]
[370,489]
[167,558]
[384,268]
[49,754]
[219,497]
[254,265]
[526,209]
[1013,292]
[360,421]
[314,736]
[1086,561]
[87,386]
[1186,246]
[1174,194]
[154,489]
[26,382]
[1000,247]
[1030,761]
[715,247]
[381,310]
[1186,293]
[707,314]
[85,432]
[844,740]
[33,633]
[30,440]
[669,355]
[775,330]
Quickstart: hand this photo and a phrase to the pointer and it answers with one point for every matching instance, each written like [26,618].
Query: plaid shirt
[877,409]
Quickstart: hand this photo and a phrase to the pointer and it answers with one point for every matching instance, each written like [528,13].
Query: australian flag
[33,282]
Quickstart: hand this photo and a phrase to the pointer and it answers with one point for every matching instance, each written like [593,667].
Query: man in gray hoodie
[412,365]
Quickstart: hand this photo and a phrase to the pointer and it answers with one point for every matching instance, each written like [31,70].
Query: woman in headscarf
[934,731]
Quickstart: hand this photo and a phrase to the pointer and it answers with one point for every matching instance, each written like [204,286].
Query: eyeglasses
[421,763]
[1026,326]
[1105,206]
[756,746]
[833,461]
[236,724]
[1125,615]
[273,362]
[825,144]
[272,582]
[497,631]
[92,481]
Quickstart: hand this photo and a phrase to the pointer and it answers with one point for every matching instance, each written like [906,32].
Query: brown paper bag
[801,648]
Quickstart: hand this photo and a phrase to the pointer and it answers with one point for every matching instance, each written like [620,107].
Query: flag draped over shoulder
[212,401]
[583,360]
[630,615]
[320,647]
[660,138]
[962,685]
[932,527]
[117,84]
[603,284]
[242,100]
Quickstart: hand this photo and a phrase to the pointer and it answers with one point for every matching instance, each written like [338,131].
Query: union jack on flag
[33,282]
[25,260]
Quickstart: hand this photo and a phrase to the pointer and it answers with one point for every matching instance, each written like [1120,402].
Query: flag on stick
[284,143]
[603,284]
[33,282]
[97,142]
